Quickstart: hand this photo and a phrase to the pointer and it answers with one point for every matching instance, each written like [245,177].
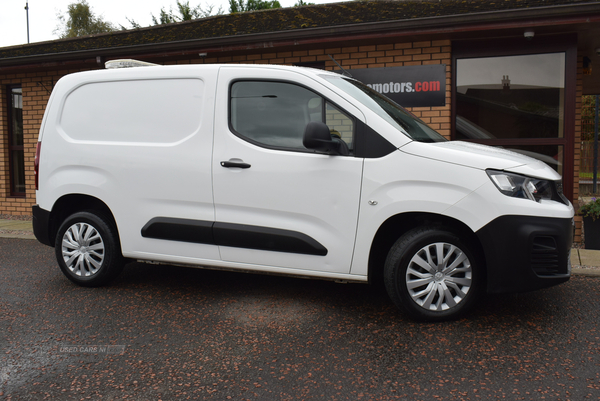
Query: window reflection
[510,97]
[552,155]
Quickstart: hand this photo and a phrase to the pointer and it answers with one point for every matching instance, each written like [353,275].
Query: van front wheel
[87,249]
[432,274]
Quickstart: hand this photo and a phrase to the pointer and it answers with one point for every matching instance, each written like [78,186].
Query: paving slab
[16,229]
[15,225]
[585,262]
[589,257]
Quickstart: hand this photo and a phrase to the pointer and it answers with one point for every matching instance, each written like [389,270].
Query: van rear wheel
[432,274]
[87,249]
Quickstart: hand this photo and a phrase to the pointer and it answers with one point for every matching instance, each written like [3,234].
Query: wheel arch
[73,203]
[395,226]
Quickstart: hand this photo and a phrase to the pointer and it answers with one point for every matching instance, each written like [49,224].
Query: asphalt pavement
[165,332]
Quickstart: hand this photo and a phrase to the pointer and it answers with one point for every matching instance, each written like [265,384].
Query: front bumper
[525,253]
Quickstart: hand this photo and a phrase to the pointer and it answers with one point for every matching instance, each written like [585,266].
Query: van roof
[132,63]
[150,71]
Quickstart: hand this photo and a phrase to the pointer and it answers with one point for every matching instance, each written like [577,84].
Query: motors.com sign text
[412,86]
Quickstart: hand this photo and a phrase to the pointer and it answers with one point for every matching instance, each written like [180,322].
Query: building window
[16,155]
[520,96]
[513,97]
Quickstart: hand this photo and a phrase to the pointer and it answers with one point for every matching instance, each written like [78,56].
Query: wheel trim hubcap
[439,276]
[83,249]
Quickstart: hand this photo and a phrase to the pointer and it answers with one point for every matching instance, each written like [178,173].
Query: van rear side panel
[140,141]
[150,112]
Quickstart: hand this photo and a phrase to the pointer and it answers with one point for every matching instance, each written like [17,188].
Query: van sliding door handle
[235,164]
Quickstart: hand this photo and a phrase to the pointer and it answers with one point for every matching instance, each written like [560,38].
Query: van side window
[274,114]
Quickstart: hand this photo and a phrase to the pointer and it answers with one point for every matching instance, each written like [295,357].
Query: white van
[291,171]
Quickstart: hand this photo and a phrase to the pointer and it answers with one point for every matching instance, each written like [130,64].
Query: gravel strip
[16,232]
[586,267]
[11,217]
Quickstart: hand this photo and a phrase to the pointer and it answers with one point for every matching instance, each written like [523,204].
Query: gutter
[582,13]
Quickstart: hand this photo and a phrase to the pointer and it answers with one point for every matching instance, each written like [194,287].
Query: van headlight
[521,186]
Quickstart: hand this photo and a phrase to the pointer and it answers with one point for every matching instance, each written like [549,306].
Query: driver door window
[274,114]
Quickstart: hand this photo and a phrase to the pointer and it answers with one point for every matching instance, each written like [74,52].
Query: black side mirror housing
[318,137]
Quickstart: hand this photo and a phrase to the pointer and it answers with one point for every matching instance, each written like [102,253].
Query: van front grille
[544,257]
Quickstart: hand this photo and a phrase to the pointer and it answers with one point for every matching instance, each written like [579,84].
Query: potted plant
[591,223]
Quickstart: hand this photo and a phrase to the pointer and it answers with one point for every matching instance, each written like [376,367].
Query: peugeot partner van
[293,171]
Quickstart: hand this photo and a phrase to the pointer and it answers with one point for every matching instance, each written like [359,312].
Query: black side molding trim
[266,239]
[184,230]
[232,235]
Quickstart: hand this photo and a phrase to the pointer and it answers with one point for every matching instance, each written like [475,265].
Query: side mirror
[318,137]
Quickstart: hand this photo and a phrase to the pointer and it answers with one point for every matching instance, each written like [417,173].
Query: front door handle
[235,164]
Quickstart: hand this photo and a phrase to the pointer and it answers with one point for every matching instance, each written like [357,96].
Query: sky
[43,15]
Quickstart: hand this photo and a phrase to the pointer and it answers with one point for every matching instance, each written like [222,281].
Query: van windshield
[392,112]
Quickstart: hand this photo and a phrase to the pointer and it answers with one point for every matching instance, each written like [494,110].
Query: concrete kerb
[585,262]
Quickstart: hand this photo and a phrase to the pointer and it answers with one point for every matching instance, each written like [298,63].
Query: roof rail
[127,63]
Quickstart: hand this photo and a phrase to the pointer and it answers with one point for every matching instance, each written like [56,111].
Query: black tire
[88,250]
[426,289]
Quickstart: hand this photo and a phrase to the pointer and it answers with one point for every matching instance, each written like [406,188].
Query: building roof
[299,22]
